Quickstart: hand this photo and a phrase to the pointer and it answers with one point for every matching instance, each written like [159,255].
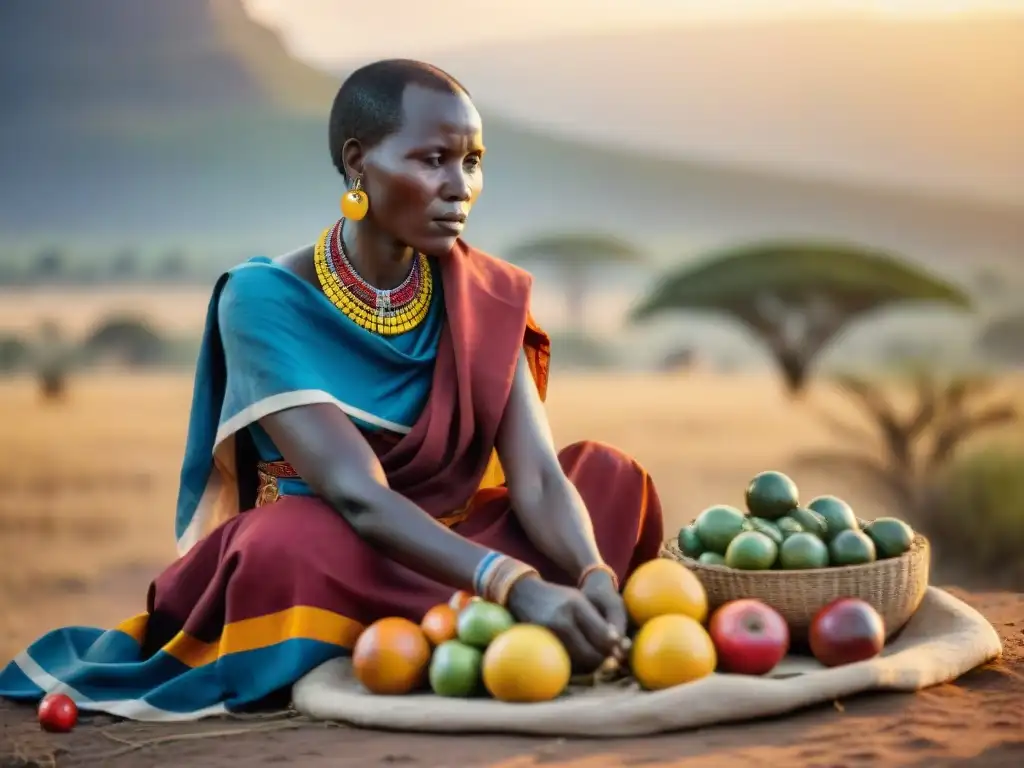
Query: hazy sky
[329,31]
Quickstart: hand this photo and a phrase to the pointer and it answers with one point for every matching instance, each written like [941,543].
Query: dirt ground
[86,521]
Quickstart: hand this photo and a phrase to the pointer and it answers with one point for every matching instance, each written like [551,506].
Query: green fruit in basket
[689,542]
[810,521]
[802,551]
[771,495]
[767,527]
[837,513]
[751,551]
[711,558]
[788,526]
[719,525]
[851,548]
[892,537]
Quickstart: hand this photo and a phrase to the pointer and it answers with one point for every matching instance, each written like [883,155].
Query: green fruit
[711,558]
[837,513]
[771,495]
[788,526]
[455,669]
[892,537]
[751,551]
[689,542]
[767,527]
[717,526]
[480,622]
[851,548]
[801,551]
[810,521]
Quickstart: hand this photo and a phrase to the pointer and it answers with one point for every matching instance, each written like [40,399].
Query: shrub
[130,341]
[973,512]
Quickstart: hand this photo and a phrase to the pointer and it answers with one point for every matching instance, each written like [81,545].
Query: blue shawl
[272,341]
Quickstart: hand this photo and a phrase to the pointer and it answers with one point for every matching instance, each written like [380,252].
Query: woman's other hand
[587,635]
[600,589]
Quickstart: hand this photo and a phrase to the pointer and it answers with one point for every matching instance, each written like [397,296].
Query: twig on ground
[132,746]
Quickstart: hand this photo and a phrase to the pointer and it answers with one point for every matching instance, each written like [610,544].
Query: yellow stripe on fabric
[298,623]
[135,627]
[494,475]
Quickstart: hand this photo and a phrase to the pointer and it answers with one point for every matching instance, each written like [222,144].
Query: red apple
[57,713]
[846,630]
[750,637]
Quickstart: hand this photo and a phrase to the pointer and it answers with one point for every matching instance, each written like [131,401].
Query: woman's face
[422,180]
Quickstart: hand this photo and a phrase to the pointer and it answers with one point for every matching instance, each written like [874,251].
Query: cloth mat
[944,639]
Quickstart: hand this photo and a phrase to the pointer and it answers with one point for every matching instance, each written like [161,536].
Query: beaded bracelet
[594,568]
[496,574]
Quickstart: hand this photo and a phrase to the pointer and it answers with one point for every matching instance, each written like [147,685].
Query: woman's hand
[599,588]
[586,634]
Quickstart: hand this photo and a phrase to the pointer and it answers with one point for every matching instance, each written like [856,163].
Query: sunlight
[330,32]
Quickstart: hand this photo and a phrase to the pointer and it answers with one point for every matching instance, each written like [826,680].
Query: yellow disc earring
[355,203]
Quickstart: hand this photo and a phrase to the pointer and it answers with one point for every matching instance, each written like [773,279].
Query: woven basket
[894,587]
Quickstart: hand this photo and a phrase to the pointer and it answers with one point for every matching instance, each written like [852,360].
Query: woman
[373,406]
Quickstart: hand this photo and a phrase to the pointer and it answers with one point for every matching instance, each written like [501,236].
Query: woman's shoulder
[256,284]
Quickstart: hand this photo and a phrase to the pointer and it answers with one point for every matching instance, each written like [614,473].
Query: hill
[186,122]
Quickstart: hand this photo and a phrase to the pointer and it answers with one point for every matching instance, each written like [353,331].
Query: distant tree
[991,283]
[48,265]
[571,350]
[172,265]
[15,353]
[796,297]
[124,267]
[907,447]
[576,257]
[1003,338]
[126,340]
[52,361]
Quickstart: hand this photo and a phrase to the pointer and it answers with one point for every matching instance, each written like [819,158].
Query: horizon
[324,33]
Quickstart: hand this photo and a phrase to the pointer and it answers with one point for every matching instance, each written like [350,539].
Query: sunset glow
[328,31]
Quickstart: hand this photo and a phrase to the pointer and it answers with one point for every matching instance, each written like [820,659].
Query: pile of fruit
[461,649]
[470,647]
[777,532]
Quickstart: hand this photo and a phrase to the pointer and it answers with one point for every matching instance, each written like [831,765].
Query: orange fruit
[440,623]
[461,599]
[391,657]
[662,586]
[526,663]
[671,650]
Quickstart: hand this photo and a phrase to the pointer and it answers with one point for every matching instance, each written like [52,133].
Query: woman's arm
[547,505]
[332,456]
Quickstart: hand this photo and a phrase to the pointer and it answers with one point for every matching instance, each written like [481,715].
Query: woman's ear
[352,159]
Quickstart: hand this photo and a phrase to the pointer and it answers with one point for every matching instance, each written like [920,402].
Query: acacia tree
[1004,338]
[795,297]
[908,446]
[576,257]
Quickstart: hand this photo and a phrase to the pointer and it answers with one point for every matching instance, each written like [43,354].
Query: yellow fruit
[526,663]
[671,650]
[391,657]
[662,586]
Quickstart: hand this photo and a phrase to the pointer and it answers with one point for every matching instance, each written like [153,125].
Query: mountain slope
[185,121]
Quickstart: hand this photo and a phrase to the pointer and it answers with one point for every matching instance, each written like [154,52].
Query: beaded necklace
[385,312]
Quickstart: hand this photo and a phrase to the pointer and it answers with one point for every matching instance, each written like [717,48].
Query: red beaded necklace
[374,298]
